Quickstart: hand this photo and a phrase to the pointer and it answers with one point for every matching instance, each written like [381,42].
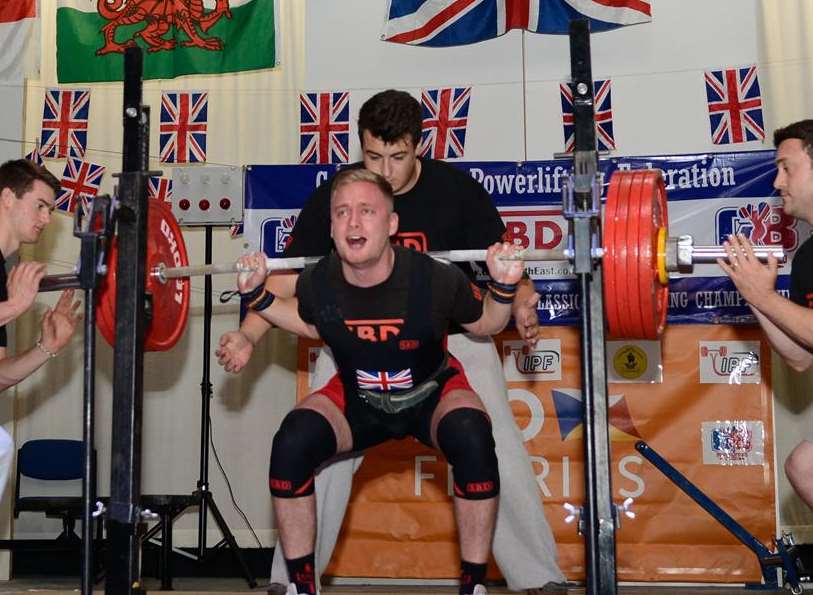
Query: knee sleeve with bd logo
[304,441]
[464,437]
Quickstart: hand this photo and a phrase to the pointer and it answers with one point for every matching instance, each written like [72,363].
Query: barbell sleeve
[710,254]
[686,254]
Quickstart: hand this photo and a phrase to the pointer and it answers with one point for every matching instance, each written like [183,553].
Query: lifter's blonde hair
[359,174]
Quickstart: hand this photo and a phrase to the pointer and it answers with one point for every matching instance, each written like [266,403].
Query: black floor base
[54,559]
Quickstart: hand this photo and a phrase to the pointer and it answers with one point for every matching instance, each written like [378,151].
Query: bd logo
[763,224]
[538,229]
[414,240]
[275,234]
[543,362]
[729,362]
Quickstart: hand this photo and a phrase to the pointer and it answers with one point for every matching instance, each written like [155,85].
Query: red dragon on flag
[161,16]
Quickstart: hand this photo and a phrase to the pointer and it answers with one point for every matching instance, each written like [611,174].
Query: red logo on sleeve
[415,240]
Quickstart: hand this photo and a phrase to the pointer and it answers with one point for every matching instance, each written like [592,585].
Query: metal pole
[599,524]
[89,463]
[206,397]
[124,514]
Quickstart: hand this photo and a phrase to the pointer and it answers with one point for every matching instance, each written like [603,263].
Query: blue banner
[710,196]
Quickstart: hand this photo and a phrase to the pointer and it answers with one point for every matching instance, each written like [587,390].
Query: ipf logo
[275,234]
[543,362]
[763,224]
[729,362]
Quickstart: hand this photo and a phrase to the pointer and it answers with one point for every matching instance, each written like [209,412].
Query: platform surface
[228,586]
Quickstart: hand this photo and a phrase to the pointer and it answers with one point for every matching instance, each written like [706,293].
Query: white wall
[657,72]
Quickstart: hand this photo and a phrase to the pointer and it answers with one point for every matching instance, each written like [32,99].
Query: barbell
[637,255]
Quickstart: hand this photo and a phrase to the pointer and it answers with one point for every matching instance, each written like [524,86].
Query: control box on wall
[210,195]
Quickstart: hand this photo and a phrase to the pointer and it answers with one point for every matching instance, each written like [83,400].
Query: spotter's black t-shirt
[445,210]
[801,275]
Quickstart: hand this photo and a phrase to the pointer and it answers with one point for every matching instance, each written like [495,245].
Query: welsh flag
[195,37]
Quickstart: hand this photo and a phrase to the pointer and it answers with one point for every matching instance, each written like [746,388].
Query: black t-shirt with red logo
[445,210]
[801,279]
[377,313]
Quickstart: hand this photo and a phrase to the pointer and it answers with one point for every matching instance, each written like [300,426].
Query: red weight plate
[106,297]
[614,226]
[609,259]
[622,250]
[170,300]
[633,298]
[647,256]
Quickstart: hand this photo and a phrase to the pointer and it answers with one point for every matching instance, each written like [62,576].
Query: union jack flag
[445,115]
[80,182]
[159,188]
[735,105]
[602,112]
[383,380]
[236,230]
[184,120]
[65,123]
[35,156]
[443,23]
[324,127]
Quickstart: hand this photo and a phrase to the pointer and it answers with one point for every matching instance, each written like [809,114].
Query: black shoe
[277,589]
[551,587]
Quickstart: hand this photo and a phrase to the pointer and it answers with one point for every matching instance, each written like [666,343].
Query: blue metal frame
[785,558]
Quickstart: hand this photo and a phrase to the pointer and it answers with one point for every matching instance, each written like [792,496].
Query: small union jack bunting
[324,127]
[735,105]
[80,182]
[445,117]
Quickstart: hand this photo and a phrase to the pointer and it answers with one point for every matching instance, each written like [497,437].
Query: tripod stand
[204,496]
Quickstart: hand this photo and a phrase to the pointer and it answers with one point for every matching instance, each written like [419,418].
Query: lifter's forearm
[493,320]
[282,284]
